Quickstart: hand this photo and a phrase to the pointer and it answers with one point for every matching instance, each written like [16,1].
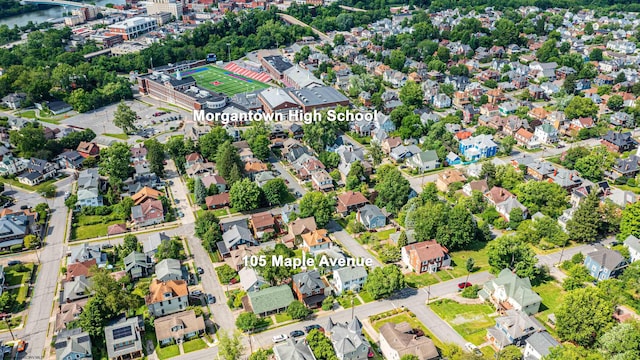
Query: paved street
[293,184]
[349,243]
[552,259]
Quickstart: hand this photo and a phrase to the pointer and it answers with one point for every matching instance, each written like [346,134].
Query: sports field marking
[224,81]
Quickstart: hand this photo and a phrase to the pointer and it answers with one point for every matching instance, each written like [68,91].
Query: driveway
[350,244]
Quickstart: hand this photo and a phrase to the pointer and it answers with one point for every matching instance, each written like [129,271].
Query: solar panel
[122,332]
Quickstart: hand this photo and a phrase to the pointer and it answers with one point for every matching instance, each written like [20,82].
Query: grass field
[223,81]
[471,321]
[194,345]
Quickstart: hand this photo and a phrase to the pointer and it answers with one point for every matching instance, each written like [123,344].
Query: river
[40,16]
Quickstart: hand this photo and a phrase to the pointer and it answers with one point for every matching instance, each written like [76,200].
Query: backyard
[469,320]
[91,226]
[193,345]
[552,296]
[17,274]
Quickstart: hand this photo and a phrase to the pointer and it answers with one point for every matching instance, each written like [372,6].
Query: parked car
[200,270]
[196,293]
[211,299]
[6,349]
[24,207]
[4,316]
[473,349]
[308,328]
[296,333]
[22,345]
[280,338]
[464,285]
[14,262]
[107,246]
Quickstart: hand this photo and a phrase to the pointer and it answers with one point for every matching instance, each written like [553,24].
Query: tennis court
[223,81]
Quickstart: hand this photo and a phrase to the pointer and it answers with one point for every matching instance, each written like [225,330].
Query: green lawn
[220,212]
[366,297]
[417,281]
[552,296]
[118,136]
[16,183]
[223,81]
[194,345]
[282,317]
[414,322]
[21,296]
[13,322]
[345,302]
[478,252]
[469,320]
[13,277]
[384,235]
[633,189]
[86,227]
[167,352]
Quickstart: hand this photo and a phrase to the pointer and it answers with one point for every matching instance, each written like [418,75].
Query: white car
[472,348]
[279,338]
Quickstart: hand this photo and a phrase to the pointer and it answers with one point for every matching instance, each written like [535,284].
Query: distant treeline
[10,8]
[436,5]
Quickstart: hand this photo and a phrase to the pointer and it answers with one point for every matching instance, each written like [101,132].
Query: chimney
[555,172]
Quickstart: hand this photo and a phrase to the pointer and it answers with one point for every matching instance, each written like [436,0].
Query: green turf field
[223,81]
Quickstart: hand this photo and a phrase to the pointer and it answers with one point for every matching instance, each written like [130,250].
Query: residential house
[546,134]
[633,244]
[509,291]
[423,161]
[402,152]
[184,325]
[237,256]
[73,344]
[138,153]
[14,101]
[216,180]
[478,147]
[348,340]
[604,263]
[567,179]
[621,119]
[316,241]
[426,256]
[68,312]
[192,159]
[293,350]
[88,192]
[169,269]
[250,280]
[476,185]
[148,213]
[76,269]
[201,169]
[137,265]
[87,149]
[619,142]
[151,244]
[350,201]
[539,345]
[263,177]
[526,139]
[145,194]
[626,168]
[236,234]
[310,288]
[271,300]
[86,252]
[217,201]
[322,181]
[298,227]
[441,101]
[453,159]
[513,328]
[349,279]
[296,131]
[123,339]
[12,166]
[262,223]
[76,289]
[504,201]
[399,340]
[38,170]
[167,297]
[539,169]
[71,160]
[449,177]
[288,210]
[371,217]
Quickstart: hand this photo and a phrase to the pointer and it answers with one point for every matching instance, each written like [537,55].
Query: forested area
[12,7]
[437,5]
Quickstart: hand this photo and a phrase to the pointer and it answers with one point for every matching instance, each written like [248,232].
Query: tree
[595,54]
[547,51]
[459,230]
[570,352]
[228,163]
[262,354]
[209,142]
[155,156]
[397,60]
[544,229]
[580,107]
[509,252]
[583,316]
[356,176]
[384,281]
[572,155]
[409,357]
[318,205]
[329,159]
[298,310]
[376,153]
[506,144]
[393,189]
[585,223]
[506,32]
[569,84]
[230,347]
[247,321]
[548,198]
[470,264]
[170,249]
[245,195]
[402,240]
[125,118]
[30,241]
[275,274]
[93,317]
[48,191]
[114,163]
[260,146]
[510,352]
[622,341]
[411,94]
[226,273]
[615,102]
[275,191]
[28,140]
[321,346]
[199,191]
[630,221]
[515,217]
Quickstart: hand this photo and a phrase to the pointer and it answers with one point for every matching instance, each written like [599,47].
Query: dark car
[211,299]
[24,207]
[200,270]
[308,329]
[14,262]
[464,285]
[107,246]
[296,333]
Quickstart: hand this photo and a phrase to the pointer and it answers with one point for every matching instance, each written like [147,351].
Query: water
[44,15]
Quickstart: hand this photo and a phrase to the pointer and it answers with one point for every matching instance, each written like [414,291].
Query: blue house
[384,122]
[478,147]
[453,159]
[371,217]
[604,263]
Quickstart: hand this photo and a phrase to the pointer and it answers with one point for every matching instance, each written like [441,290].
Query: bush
[577,258]
[327,304]
[16,248]
[471,292]
[631,182]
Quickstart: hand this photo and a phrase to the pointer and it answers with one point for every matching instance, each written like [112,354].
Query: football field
[223,81]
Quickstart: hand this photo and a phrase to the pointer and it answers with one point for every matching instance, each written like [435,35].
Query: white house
[633,244]
[539,345]
[546,134]
[349,278]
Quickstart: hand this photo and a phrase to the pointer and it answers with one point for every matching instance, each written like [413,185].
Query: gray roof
[318,96]
[270,299]
[168,267]
[607,258]
[73,344]
[122,332]
[542,342]
[13,226]
[249,277]
[370,212]
[302,77]
[276,96]
[632,242]
[517,325]
[86,252]
[292,350]
[515,287]
[347,338]
[136,259]
[350,273]
[308,281]
[236,235]
[153,241]
[76,289]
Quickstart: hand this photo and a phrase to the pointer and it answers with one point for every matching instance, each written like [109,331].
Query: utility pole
[9,327]
[229,50]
